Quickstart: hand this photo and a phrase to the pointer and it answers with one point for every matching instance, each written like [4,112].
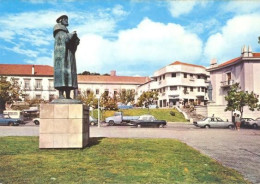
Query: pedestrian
[238,122]
[233,120]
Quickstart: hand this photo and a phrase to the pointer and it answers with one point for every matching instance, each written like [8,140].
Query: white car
[254,123]
[36,121]
[213,122]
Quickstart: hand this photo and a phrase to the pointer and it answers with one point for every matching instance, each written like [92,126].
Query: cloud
[41,61]
[118,10]
[241,7]
[150,43]
[178,8]
[238,31]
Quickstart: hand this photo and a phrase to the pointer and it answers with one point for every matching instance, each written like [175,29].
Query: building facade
[36,81]
[181,83]
[243,70]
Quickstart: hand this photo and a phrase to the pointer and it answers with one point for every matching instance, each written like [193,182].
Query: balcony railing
[192,79]
[227,83]
[26,88]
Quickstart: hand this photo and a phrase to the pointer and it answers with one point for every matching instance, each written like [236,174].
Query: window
[229,78]
[198,76]
[115,92]
[198,89]
[27,84]
[51,86]
[191,88]
[38,84]
[191,75]
[38,97]
[51,97]
[88,91]
[202,89]
[185,75]
[185,88]
[173,88]
[173,74]
[163,77]
[97,91]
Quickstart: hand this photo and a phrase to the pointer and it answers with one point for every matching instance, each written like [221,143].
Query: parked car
[213,122]
[5,119]
[148,120]
[119,118]
[92,121]
[15,114]
[249,122]
[36,121]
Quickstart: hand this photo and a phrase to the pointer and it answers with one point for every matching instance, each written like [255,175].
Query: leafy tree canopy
[9,92]
[147,98]
[238,99]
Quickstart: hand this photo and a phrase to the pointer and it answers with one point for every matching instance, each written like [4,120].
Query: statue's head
[63,20]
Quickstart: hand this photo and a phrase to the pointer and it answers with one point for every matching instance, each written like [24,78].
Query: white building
[244,70]
[180,82]
[36,81]
[113,84]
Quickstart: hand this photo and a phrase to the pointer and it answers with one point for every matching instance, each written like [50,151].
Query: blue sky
[133,37]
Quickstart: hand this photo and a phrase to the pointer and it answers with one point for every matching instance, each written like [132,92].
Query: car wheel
[36,122]
[92,123]
[255,126]
[207,126]
[11,124]
[161,126]
[139,126]
[111,123]
[230,126]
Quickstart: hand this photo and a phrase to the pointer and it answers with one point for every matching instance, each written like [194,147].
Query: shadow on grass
[94,141]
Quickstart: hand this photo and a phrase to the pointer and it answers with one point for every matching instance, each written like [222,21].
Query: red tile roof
[112,79]
[229,62]
[187,64]
[26,70]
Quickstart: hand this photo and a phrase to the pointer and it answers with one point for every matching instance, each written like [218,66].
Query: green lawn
[110,161]
[161,114]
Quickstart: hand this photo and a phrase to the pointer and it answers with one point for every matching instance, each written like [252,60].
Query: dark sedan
[5,119]
[148,120]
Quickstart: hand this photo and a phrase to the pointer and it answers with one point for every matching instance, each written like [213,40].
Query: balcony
[226,84]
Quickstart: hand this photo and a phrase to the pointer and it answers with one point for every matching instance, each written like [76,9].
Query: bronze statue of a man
[65,46]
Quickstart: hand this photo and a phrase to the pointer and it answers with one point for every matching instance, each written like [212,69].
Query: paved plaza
[235,149]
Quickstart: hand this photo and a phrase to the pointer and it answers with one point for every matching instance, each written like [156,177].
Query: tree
[238,99]
[108,102]
[89,99]
[147,98]
[127,96]
[9,92]
[89,73]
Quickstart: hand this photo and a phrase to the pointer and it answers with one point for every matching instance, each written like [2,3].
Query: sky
[133,37]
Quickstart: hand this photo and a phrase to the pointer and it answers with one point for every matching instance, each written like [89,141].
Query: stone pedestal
[64,126]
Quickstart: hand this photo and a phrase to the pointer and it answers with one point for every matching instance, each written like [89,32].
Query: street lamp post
[98,113]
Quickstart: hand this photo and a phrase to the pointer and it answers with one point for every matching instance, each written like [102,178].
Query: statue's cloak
[65,46]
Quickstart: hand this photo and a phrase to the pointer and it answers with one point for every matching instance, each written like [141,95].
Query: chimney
[112,73]
[213,62]
[33,72]
[244,52]
[250,53]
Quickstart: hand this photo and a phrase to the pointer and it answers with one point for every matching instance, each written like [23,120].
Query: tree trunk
[2,107]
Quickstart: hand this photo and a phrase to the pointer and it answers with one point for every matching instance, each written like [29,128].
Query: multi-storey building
[181,83]
[113,84]
[243,70]
[36,81]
